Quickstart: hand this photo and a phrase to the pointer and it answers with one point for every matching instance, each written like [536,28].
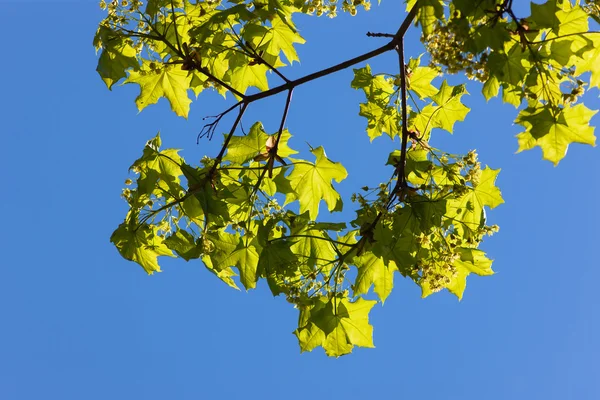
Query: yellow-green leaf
[162,81]
[554,133]
[313,183]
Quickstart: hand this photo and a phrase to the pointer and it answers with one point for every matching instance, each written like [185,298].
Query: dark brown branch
[386,35]
[175,26]
[273,151]
[129,32]
[288,101]
[228,138]
[398,43]
[343,65]
[220,82]
[310,237]
[401,174]
[321,73]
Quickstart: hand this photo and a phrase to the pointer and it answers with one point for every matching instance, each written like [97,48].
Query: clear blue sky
[79,322]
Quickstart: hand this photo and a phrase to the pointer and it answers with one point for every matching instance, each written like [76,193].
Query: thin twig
[209,129]
[309,237]
[386,35]
[228,138]
[273,151]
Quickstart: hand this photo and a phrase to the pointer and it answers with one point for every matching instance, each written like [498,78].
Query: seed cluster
[447,46]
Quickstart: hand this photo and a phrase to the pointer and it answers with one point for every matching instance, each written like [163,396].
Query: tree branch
[401,178]
[228,138]
[175,25]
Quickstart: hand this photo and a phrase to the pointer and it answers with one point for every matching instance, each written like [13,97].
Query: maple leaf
[420,79]
[467,212]
[313,183]
[242,73]
[382,116]
[450,109]
[429,12]
[554,133]
[337,325]
[116,57]
[242,149]
[184,244]
[167,81]
[372,270]
[141,245]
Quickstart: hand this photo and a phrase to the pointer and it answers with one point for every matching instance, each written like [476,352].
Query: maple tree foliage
[256,211]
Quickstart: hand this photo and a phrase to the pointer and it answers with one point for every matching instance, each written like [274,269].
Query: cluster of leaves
[542,59]
[252,211]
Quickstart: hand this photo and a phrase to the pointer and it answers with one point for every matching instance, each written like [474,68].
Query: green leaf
[510,67]
[420,81]
[363,77]
[589,63]
[336,324]
[156,165]
[166,81]
[449,109]
[245,258]
[554,133]
[544,15]
[313,183]
[243,73]
[154,6]
[395,241]
[428,13]
[226,274]
[312,248]
[140,244]
[184,244]
[242,149]
[470,261]
[467,212]
[209,195]
[512,95]
[491,87]
[382,116]
[116,57]
[221,257]
[372,270]
[573,20]
[280,37]
[381,119]
[277,262]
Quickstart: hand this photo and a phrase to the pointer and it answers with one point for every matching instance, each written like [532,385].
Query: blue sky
[79,322]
